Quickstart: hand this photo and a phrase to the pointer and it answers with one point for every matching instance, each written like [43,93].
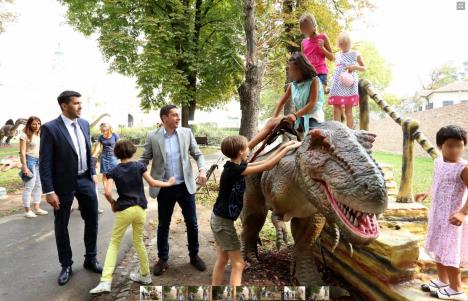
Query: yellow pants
[136,217]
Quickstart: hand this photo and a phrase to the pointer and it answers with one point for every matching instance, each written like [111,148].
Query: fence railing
[411,133]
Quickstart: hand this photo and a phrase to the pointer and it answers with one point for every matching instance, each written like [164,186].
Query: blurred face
[344,45]
[35,126]
[452,149]
[72,109]
[307,28]
[105,131]
[294,72]
[172,119]
[245,153]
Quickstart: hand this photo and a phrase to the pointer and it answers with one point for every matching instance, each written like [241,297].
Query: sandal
[432,287]
[444,295]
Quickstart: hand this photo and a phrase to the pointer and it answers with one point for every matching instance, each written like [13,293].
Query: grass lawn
[10,179]
[422,173]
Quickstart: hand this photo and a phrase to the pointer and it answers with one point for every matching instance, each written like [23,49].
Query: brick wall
[389,134]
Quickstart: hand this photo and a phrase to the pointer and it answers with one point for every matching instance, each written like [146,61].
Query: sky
[41,55]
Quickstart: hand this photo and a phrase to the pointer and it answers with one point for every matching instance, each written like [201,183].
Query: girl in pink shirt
[315,47]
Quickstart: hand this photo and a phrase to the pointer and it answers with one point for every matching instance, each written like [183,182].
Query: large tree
[182,51]
[441,76]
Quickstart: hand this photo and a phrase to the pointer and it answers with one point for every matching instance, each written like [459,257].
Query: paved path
[28,255]
[29,261]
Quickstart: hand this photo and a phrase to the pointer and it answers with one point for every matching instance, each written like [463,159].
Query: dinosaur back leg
[305,232]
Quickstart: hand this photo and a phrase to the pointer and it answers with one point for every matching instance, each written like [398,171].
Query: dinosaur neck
[98,119]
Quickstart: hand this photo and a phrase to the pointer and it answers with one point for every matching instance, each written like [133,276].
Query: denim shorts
[224,233]
[323,78]
[313,123]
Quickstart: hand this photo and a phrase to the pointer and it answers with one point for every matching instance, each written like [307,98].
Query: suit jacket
[58,158]
[154,149]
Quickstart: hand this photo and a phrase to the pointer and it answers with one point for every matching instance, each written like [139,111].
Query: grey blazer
[154,150]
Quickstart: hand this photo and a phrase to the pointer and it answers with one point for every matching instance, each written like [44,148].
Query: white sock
[439,283]
[451,291]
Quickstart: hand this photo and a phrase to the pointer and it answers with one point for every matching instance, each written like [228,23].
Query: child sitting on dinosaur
[306,93]
[230,202]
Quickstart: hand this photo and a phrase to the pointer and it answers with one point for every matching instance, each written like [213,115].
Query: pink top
[445,243]
[314,54]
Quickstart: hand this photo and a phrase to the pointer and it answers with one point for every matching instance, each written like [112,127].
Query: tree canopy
[181,51]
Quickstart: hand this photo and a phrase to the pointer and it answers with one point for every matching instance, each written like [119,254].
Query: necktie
[81,149]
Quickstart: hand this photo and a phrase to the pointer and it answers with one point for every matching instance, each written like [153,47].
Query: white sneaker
[41,212]
[135,276]
[103,287]
[445,295]
[30,214]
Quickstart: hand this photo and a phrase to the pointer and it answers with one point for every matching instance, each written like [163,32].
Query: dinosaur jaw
[364,225]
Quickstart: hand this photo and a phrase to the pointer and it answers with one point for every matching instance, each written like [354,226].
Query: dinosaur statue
[329,183]
[95,122]
[9,129]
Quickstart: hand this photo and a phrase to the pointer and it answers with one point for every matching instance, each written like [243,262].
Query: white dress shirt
[68,124]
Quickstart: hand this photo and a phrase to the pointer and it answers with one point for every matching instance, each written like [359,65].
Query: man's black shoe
[65,275]
[198,263]
[93,265]
[160,267]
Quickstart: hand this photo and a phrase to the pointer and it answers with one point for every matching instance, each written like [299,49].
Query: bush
[136,135]
[213,132]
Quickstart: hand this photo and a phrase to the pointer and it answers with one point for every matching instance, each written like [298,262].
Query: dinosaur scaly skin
[9,130]
[331,182]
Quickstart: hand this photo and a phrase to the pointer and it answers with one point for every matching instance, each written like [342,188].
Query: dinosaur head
[342,180]
[21,121]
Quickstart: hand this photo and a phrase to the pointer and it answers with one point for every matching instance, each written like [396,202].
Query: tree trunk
[288,9]
[249,90]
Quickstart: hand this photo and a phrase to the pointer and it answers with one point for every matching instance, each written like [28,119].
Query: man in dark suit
[66,172]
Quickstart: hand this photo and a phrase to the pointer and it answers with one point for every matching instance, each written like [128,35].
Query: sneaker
[198,263]
[137,277]
[160,267]
[39,211]
[100,211]
[29,214]
[444,294]
[103,287]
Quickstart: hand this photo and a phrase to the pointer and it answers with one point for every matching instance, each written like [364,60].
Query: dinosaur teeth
[356,223]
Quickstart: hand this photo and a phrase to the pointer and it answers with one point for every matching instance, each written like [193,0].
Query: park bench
[202,140]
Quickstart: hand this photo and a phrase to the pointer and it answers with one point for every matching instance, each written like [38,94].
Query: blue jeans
[167,198]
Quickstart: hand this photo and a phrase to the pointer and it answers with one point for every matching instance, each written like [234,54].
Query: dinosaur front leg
[253,217]
[305,232]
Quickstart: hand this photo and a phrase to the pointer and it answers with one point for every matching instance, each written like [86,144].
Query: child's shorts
[323,78]
[224,233]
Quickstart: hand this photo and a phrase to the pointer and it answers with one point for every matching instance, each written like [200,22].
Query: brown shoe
[160,267]
[198,263]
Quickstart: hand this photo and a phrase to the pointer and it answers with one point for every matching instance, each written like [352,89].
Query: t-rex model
[9,129]
[329,183]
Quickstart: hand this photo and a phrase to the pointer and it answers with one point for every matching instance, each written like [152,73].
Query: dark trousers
[167,198]
[85,193]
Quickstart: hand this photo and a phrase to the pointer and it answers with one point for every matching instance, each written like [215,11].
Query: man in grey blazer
[169,147]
